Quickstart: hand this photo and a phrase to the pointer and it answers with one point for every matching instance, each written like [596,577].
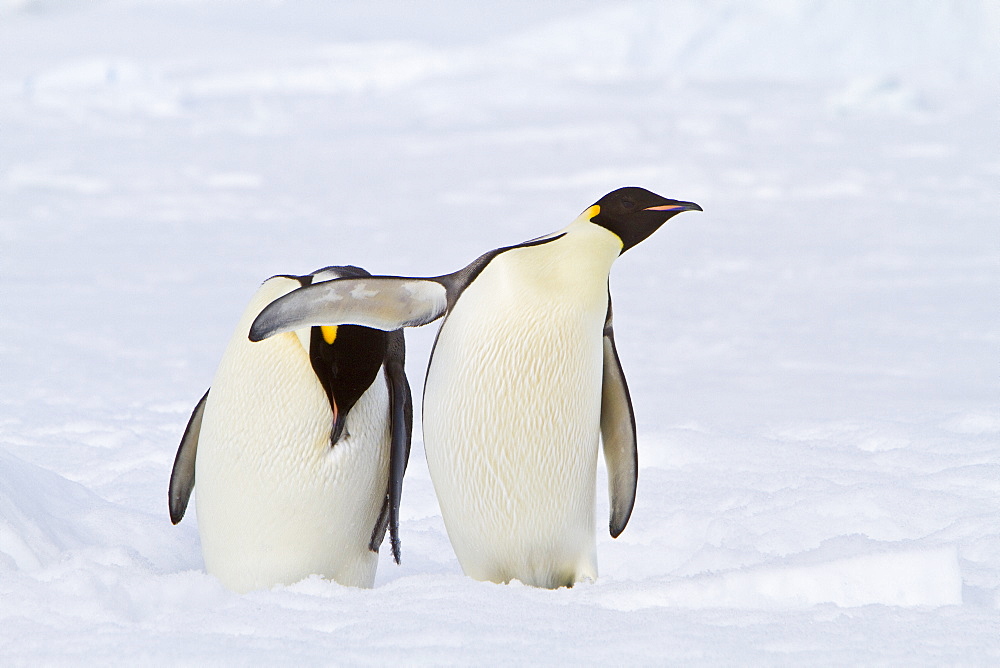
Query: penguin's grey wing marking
[401,408]
[182,475]
[618,434]
[381,302]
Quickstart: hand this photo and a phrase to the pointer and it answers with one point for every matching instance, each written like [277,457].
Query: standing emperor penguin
[299,447]
[523,377]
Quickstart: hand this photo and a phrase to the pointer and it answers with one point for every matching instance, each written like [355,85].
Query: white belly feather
[512,411]
[275,502]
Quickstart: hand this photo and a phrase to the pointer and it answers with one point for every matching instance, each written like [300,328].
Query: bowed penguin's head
[635,213]
[345,358]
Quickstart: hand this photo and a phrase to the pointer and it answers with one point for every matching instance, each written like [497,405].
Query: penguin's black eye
[628,203]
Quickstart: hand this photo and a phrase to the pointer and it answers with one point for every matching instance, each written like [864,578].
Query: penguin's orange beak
[339,421]
[675,206]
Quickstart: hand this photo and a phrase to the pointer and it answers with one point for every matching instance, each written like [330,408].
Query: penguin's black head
[346,358]
[635,213]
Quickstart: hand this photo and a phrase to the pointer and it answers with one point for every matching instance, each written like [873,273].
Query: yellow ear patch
[329,333]
[592,211]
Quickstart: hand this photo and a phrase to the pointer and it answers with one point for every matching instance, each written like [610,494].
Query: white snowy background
[814,360]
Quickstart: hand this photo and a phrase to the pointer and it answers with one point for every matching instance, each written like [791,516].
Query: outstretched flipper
[382,302]
[401,409]
[618,434]
[182,475]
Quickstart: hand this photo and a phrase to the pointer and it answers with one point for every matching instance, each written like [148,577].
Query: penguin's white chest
[512,411]
[275,502]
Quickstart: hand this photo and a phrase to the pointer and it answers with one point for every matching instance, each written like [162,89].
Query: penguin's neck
[585,242]
[574,265]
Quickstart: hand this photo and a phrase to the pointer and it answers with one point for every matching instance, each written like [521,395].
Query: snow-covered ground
[814,360]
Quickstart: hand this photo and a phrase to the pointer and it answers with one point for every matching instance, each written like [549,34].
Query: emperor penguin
[523,382]
[299,448]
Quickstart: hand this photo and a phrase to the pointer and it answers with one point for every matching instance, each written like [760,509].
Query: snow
[813,360]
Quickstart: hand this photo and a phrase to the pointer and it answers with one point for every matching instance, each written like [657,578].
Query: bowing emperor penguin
[523,381]
[299,448]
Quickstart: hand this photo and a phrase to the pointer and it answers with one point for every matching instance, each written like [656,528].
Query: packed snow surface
[814,360]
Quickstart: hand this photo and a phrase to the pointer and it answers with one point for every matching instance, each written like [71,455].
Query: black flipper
[618,434]
[401,408]
[182,475]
